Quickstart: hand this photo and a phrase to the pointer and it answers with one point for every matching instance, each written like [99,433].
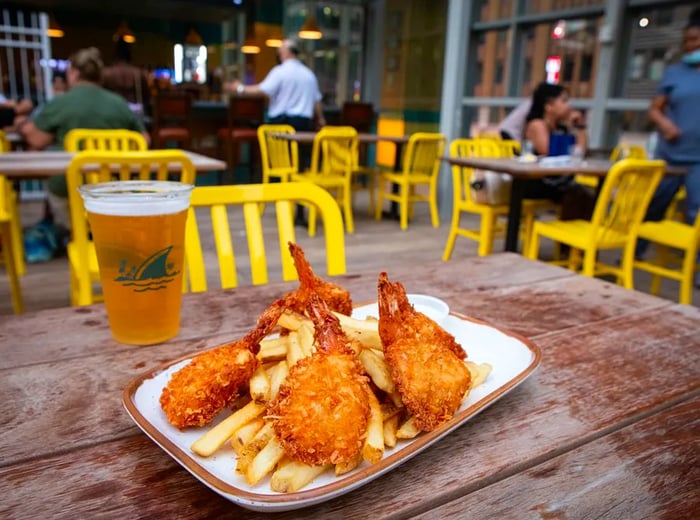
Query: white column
[453,81]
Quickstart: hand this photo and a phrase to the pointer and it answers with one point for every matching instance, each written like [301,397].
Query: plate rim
[342,484]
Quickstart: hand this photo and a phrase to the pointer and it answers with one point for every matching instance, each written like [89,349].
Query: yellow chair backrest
[462,175]
[423,153]
[508,148]
[102,166]
[335,150]
[4,142]
[278,156]
[625,196]
[80,139]
[628,151]
[251,197]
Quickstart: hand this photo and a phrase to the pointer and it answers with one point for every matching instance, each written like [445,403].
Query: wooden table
[39,165]
[607,427]
[523,172]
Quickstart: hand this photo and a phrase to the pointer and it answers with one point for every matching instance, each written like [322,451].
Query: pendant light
[54,30]
[310,29]
[124,33]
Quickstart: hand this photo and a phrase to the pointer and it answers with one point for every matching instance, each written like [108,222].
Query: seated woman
[554,129]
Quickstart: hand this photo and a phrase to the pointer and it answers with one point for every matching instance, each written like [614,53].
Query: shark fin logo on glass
[153,274]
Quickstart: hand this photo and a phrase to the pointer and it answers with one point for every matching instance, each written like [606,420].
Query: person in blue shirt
[675,110]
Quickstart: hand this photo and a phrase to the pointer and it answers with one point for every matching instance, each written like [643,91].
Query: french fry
[245,434]
[378,370]
[344,467]
[219,434]
[373,449]
[264,461]
[305,335]
[479,373]
[408,429]
[292,320]
[277,376]
[365,331]
[250,450]
[260,386]
[390,410]
[292,476]
[294,353]
[273,349]
[391,425]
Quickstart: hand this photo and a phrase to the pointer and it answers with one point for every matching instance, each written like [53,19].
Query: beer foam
[136,198]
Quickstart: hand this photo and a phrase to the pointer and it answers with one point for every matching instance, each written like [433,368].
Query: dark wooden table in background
[607,427]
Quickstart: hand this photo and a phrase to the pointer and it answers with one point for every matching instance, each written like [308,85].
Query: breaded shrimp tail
[212,380]
[337,298]
[428,371]
[321,413]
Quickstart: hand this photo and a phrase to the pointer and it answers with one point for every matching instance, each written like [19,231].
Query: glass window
[492,61]
[545,6]
[489,10]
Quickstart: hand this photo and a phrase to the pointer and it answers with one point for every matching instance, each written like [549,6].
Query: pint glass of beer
[138,228]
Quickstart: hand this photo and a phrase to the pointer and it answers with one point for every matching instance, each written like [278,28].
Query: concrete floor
[375,245]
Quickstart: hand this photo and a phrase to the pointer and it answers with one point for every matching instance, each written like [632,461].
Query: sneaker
[40,243]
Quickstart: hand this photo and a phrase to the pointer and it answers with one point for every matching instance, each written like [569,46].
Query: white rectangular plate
[513,359]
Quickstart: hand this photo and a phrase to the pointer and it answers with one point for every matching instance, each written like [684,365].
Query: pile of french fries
[253,438]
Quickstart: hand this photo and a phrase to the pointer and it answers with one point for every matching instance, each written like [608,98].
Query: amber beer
[138,228]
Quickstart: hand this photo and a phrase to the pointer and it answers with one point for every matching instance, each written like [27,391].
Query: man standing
[295,99]
[292,89]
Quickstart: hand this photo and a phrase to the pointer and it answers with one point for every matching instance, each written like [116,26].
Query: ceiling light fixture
[310,29]
[124,33]
[54,30]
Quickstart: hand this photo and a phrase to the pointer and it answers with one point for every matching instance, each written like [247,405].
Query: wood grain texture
[650,469]
[611,358]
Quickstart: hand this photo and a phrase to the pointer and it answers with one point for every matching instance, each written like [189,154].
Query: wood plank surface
[610,358]
[621,475]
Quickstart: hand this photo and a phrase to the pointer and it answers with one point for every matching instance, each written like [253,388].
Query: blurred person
[129,81]
[85,105]
[14,113]
[675,110]
[58,83]
[295,98]
[554,128]
[512,127]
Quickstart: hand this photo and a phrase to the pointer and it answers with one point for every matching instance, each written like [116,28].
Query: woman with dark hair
[554,128]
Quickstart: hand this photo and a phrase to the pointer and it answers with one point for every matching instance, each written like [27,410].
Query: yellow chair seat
[578,234]
[670,233]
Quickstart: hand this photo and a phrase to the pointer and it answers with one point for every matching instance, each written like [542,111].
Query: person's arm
[577,126]
[35,138]
[668,129]
[537,133]
[239,88]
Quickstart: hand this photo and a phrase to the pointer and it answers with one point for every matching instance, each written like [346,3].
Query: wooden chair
[671,234]
[10,239]
[618,213]
[421,164]
[333,157]
[172,119]
[251,197]
[279,158]
[97,166]
[243,116]
[80,139]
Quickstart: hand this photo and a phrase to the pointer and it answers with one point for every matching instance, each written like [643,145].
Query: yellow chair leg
[662,258]
[347,209]
[628,266]
[534,245]
[589,259]
[449,247]
[312,221]
[688,275]
[12,274]
[434,216]
[488,222]
[380,200]
[403,209]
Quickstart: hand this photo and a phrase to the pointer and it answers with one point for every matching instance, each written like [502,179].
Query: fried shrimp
[337,298]
[321,413]
[212,380]
[425,360]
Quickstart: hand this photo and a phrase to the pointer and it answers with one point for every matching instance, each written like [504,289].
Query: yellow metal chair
[621,151]
[671,234]
[333,157]
[618,213]
[279,157]
[12,205]
[8,242]
[464,203]
[98,166]
[4,142]
[251,197]
[421,164]
[108,140]
[673,212]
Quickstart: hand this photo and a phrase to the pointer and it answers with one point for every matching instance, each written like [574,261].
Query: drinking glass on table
[138,228]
